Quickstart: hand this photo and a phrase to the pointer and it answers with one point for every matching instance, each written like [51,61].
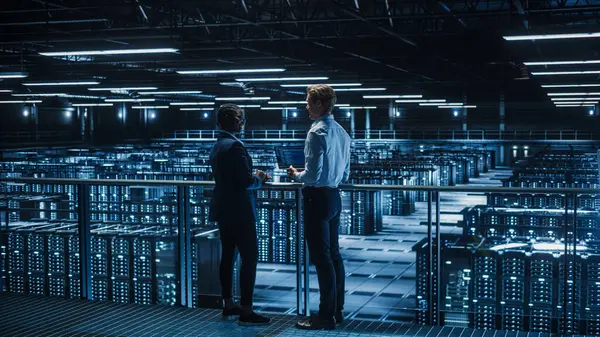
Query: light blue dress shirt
[327,154]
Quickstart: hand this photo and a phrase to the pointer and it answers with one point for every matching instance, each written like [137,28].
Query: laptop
[287,156]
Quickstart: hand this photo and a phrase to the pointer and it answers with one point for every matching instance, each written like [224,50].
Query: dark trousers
[240,236]
[322,208]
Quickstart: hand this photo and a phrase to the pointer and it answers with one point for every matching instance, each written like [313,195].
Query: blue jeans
[322,209]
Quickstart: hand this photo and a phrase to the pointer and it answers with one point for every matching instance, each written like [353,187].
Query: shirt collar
[227,133]
[323,118]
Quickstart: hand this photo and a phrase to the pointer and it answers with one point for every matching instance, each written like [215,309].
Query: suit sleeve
[313,155]
[241,172]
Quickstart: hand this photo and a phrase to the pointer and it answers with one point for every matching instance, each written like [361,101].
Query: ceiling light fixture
[278,108]
[122,89]
[560,63]
[286,102]
[570,85]
[38,95]
[274,79]
[192,103]
[5,91]
[442,104]
[15,102]
[329,84]
[360,89]
[13,75]
[420,101]
[112,52]
[359,107]
[582,72]
[457,106]
[249,98]
[575,99]
[186,92]
[392,96]
[150,107]
[92,104]
[573,105]
[41,84]
[249,106]
[574,94]
[575,102]
[229,71]
[551,36]
[196,109]
[129,100]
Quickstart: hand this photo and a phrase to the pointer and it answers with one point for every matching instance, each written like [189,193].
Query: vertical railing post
[565,298]
[85,240]
[301,306]
[184,245]
[306,275]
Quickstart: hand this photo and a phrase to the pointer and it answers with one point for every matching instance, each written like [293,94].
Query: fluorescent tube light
[575,102]
[552,36]
[278,108]
[187,92]
[249,106]
[286,102]
[574,94]
[122,89]
[5,91]
[129,100]
[570,85]
[150,107]
[333,85]
[573,105]
[342,105]
[392,96]
[13,102]
[230,71]
[192,103]
[420,101]
[39,95]
[249,98]
[196,109]
[274,79]
[582,72]
[40,84]
[442,104]
[359,107]
[560,63]
[575,99]
[13,75]
[457,106]
[112,52]
[360,89]
[92,104]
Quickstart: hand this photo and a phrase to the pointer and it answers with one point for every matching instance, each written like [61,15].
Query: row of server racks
[524,262]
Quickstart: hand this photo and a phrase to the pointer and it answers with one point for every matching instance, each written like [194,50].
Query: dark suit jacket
[233,198]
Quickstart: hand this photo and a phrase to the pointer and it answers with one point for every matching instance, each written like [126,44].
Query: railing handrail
[283,186]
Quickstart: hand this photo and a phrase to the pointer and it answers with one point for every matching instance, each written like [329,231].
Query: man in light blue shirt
[327,164]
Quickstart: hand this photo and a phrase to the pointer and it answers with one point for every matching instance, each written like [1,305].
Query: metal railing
[445,135]
[26,136]
[185,233]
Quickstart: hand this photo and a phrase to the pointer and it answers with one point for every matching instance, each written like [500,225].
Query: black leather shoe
[339,318]
[316,323]
[235,311]
[253,319]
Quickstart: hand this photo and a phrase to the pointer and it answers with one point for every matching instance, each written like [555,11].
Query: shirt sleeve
[313,157]
[242,175]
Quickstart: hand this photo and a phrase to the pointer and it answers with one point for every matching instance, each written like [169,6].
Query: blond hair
[323,93]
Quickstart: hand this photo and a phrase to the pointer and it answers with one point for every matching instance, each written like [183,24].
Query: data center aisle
[380,268]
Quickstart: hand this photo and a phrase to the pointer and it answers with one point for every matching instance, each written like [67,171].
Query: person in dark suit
[233,207]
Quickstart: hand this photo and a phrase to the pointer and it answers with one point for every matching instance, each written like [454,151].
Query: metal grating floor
[52,317]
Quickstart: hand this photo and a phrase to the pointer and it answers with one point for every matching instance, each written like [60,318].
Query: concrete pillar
[80,115]
[90,117]
[502,113]
[243,125]
[465,125]
[392,113]
[284,119]
[36,119]
[367,123]
[352,124]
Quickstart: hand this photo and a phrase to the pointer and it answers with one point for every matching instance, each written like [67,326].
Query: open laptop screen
[287,156]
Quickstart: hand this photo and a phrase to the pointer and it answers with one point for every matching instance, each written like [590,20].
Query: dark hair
[229,117]
[323,93]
